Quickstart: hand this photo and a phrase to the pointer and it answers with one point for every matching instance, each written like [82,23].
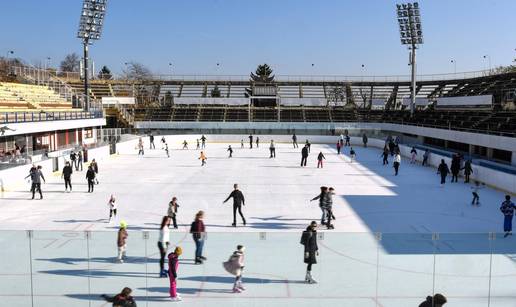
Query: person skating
[348,139]
[322,205]
[392,146]
[468,170]
[203,158]
[172,211]
[308,144]
[203,141]
[185,144]
[173,265]
[396,163]
[151,142]
[73,158]
[238,202]
[79,160]
[257,142]
[112,207]
[338,147]
[455,168]
[123,299]
[438,300]
[251,141]
[121,242]
[426,155]
[36,175]
[163,242]
[364,139]
[198,146]
[198,231]
[230,150]
[304,155]
[94,165]
[413,155]
[341,141]
[140,147]
[163,142]
[166,150]
[352,155]
[320,158]
[476,198]
[385,156]
[294,140]
[329,208]
[242,143]
[67,175]
[507,209]
[272,149]
[443,170]
[90,176]
[311,251]
[235,267]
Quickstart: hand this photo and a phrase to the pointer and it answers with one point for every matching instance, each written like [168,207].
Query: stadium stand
[19,96]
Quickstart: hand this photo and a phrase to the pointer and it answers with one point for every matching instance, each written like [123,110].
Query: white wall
[55,125]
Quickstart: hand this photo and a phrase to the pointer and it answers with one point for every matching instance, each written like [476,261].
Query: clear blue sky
[338,36]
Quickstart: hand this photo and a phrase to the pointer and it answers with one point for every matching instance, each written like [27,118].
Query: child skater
[198,145]
[476,198]
[172,211]
[112,207]
[230,151]
[352,154]
[173,264]
[242,143]
[166,150]
[203,158]
[235,266]
[185,144]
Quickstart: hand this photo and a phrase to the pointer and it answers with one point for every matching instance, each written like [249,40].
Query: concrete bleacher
[17,96]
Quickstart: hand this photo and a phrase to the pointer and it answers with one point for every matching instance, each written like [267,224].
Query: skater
[238,202]
[352,155]
[230,151]
[468,170]
[341,141]
[151,142]
[304,155]
[443,170]
[235,266]
[185,144]
[36,175]
[67,175]
[79,160]
[73,158]
[203,141]
[242,143]
[507,209]
[95,168]
[396,163]
[426,155]
[328,205]
[392,146]
[307,143]
[163,242]
[385,156]
[347,141]
[309,241]
[173,264]
[455,168]
[198,231]
[438,300]
[123,299]
[322,198]
[140,147]
[198,146]
[338,147]
[172,211]
[364,139]
[320,158]
[251,141]
[272,149]
[257,142]
[163,142]
[203,158]
[112,207]
[413,155]
[90,176]
[294,140]
[122,241]
[476,197]
[166,150]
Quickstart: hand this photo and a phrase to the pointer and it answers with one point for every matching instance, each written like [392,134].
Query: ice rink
[357,265]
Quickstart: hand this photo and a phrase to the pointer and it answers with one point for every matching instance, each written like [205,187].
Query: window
[88,133]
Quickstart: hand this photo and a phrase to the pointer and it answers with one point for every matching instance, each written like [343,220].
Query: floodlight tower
[90,28]
[411,34]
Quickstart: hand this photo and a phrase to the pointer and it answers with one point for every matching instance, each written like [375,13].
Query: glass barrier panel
[15,288]
[503,270]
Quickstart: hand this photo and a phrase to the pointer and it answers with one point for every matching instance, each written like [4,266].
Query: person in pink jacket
[235,266]
[173,264]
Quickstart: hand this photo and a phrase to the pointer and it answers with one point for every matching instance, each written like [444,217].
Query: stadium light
[411,34]
[488,57]
[90,28]
[454,66]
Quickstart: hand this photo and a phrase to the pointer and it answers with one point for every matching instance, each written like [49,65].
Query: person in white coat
[396,163]
[235,266]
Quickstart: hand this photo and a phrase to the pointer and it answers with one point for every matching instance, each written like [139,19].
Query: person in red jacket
[173,264]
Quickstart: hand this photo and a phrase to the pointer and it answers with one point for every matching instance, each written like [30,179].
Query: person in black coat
[67,175]
[90,175]
[443,170]
[123,299]
[385,155]
[455,168]
[251,141]
[238,201]
[437,301]
[311,251]
[468,170]
[304,155]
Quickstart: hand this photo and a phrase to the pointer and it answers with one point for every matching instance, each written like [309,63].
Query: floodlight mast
[411,34]
[90,28]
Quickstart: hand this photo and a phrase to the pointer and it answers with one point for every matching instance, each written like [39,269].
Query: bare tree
[136,72]
[336,95]
[70,63]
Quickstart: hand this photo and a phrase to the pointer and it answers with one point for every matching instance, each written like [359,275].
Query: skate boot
[310,279]
[236,289]
[307,276]
[330,227]
[240,286]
